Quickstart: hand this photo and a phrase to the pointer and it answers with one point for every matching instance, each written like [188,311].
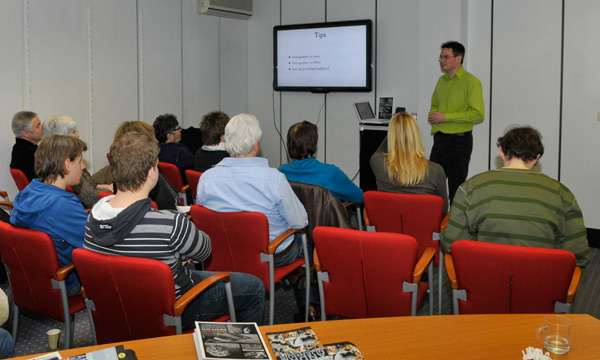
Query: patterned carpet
[33,339]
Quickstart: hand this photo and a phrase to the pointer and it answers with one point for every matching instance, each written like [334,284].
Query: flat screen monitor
[323,57]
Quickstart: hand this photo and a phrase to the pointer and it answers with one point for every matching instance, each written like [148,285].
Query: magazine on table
[233,341]
[113,352]
[303,344]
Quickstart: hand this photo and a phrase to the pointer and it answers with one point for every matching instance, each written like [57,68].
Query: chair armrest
[64,271]
[316,261]
[83,294]
[7,203]
[185,188]
[451,272]
[273,245]
[422,264]
[444,222]
[198,289]
[3,193]
[366,217]
[574,284]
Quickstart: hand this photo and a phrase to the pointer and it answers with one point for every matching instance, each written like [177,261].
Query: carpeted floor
[32,337]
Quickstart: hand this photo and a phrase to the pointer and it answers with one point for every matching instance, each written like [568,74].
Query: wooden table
[422,337]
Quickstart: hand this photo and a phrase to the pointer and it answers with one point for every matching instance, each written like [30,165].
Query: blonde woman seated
[400,166]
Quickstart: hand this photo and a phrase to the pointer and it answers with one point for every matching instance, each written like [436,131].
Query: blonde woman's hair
[405,160]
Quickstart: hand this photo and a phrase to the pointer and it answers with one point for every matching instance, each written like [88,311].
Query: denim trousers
[295,253]
[6,344]
[248,298]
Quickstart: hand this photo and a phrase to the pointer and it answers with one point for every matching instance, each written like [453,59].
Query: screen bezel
[325,88]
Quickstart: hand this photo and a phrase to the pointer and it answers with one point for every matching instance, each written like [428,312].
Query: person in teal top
[302,145]
[456,104]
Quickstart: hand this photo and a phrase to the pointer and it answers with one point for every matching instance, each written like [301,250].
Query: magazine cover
[230,341]
[297,344]
[343,350]
[385,107]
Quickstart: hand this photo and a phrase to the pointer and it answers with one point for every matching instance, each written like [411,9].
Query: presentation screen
[323,57]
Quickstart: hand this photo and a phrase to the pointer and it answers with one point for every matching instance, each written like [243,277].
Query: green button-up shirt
[461,101]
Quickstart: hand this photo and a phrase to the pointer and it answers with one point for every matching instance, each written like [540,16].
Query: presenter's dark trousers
[453,153]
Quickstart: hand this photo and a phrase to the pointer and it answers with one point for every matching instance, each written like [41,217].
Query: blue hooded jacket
[56,212]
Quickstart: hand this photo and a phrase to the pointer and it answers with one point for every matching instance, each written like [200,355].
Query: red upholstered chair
[20,179]
[495,279]
[193,177]
[368,274]
[37,280]
[417,215]
[240,242]
[173,175]
[131,298]
[102,194]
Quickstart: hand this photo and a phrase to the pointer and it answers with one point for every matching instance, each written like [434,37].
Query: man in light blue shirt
[245,182]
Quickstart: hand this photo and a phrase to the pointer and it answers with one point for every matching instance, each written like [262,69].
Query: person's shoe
[313,314]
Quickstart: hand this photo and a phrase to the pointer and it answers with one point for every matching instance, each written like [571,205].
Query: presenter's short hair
[59,125]
[302,140]
[163,125]
[522,142]
[21,121]
[51,154]
[241,134]
[457,48]
[213,127]
[132,155]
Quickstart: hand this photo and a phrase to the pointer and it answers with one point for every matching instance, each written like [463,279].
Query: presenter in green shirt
[456,104]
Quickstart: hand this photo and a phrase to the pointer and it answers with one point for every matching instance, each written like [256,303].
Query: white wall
[109,61]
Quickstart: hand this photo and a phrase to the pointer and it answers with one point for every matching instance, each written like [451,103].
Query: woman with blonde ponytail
[400,165]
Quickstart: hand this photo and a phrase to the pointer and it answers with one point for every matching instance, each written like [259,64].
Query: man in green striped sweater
[516,205]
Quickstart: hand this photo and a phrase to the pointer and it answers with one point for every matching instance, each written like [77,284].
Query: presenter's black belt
[439,133]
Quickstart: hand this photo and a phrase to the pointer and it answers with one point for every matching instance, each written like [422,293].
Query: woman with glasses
[168,134]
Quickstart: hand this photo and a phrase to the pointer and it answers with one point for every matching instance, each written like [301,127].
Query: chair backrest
[366,271]
[32,262]
[130,295]
[237,238]
[172,173]
[322,208]
[20,179]
[511,279]
[193,177]
[418,215]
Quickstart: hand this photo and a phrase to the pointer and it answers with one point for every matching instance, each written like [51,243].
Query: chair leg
[441,268]
[430,279]
[15,328]
[69,330]
[306,265]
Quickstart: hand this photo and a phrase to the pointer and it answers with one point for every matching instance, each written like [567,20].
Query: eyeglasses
[177,128]
[445,57]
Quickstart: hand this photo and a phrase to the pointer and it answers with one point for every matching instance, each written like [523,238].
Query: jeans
[248,298]
[295,253]
[453,153]
[6,344]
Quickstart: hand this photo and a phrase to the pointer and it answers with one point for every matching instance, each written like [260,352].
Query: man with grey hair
[27,128]
[245,182]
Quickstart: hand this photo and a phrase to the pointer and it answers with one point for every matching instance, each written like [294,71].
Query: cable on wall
[491,83]
[562,64]
[90,59]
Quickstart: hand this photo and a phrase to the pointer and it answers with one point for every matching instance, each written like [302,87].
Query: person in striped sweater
[125,224]
[516,205]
